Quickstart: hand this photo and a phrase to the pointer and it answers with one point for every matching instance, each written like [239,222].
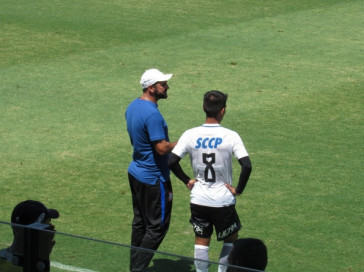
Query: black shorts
[225,220]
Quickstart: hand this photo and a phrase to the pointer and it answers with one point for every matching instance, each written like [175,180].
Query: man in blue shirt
[148,172]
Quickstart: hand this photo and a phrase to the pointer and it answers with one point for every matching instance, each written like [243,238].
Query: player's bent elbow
[173,160]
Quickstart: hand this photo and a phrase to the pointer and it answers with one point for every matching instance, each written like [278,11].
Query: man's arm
[163,147]
[246,168]
[173,163]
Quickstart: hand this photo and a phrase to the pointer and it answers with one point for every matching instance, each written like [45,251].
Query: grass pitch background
[294,74]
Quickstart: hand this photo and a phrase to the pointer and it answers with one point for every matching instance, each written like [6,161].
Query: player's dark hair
[213,102]
[248,253]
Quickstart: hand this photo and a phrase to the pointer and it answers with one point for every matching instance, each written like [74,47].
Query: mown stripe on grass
[70,268]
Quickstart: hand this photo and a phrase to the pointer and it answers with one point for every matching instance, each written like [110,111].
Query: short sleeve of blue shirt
[157,127]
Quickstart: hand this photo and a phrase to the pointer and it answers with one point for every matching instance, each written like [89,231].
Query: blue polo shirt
[146,124]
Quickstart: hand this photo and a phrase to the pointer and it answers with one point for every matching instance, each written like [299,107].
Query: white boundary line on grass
[70,268]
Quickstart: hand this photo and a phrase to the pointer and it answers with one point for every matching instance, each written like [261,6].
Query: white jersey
[210,148]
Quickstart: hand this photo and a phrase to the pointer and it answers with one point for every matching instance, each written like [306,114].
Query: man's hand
[232,190]
[191,183]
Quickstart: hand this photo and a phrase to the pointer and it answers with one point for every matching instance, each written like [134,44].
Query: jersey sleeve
[181,149]
[239,149]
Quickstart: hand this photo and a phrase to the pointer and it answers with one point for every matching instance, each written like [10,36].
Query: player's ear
[151,89]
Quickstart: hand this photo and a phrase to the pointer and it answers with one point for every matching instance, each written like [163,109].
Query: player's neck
[148,98]
[211,120]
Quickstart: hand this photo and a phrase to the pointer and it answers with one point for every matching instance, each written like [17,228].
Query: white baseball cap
[152,76]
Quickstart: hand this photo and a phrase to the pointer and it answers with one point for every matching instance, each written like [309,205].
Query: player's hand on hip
[232,190]
[191,183]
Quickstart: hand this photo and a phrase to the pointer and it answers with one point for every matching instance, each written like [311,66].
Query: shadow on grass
[161,265]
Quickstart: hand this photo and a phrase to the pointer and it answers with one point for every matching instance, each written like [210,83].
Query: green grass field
[294,73]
